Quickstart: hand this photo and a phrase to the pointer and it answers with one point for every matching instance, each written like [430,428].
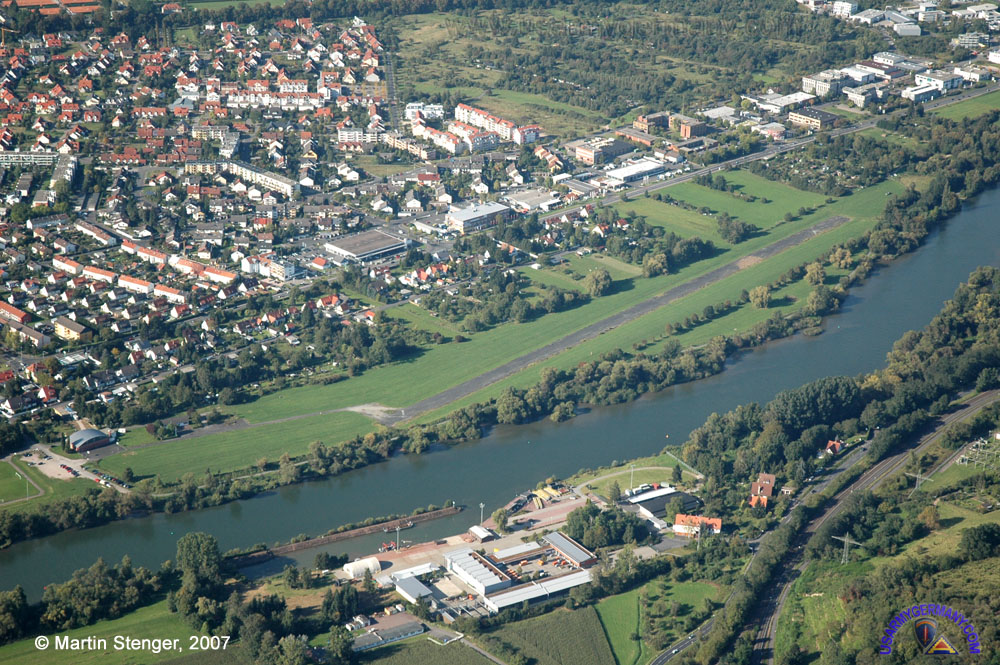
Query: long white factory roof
[530,592]
[472,567]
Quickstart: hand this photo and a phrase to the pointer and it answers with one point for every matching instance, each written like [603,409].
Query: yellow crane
[3,36]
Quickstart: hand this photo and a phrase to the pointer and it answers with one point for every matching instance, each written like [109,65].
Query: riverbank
[262,556]
[896,298]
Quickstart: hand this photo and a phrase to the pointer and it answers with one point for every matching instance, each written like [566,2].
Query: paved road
[870,480]
[593,330]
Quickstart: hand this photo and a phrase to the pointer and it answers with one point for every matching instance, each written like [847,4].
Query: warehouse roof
[569,548]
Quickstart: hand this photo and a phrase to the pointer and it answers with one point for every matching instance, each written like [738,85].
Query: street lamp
[481,506]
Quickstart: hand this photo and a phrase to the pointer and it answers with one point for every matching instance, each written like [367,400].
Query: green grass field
[55,489]
[421,651]
[441,366]
[863,207]
[152,621]
[560,637]
[783,199]
[971,108]
[237,449]
[954,473]
[222,4]
[619,616]
[685,223]
[12,487]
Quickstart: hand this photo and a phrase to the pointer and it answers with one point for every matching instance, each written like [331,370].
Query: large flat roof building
[366,247]
[477,216]
[814,119]
[476,571]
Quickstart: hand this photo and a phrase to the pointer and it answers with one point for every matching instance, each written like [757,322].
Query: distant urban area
[326,324]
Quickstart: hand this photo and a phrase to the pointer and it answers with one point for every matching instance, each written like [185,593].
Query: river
[897,298]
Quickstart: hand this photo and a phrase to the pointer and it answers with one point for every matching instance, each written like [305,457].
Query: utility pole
[919,479]
[397,537]
[481,506]
[848,541]
[631,478]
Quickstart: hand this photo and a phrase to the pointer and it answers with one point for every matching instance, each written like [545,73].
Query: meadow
[562,636]
[417,650]
[236,449]
[971,108]
[620,617]
[862,208]
[152,621]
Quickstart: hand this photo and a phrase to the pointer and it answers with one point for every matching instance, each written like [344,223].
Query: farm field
[419,650]
[237,449]
[152,621]
[562,636]
[971,108]
[619,616]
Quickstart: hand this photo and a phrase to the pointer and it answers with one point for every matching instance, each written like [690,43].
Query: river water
[900,297]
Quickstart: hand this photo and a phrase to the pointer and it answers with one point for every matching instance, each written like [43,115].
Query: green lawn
[152,621]
[421,651]
[783,199]
[685,223]
[664,460]
[55,489]
[237,449]
[12,487]
[560,637]
[136,436]
[619,616]
[971,108]
[889,136]
[954,473]
[618,269]
[418,317]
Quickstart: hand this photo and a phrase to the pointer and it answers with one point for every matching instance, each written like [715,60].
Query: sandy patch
[748,261]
